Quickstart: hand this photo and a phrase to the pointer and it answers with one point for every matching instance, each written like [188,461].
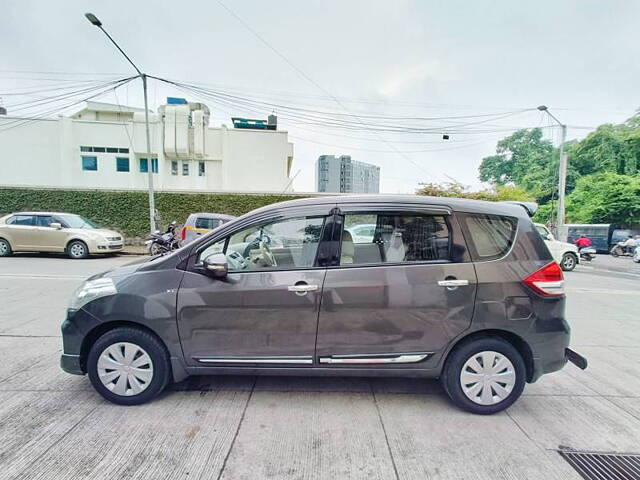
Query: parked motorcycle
[587,254]
[160,243]
[622,251]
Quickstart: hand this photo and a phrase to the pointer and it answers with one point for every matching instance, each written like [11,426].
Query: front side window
[89,163]
[122,164]
[394,238]
[44,221]
[285,244]
[489,236]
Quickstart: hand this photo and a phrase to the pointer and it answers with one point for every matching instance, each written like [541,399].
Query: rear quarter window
[207,223]
[488,236]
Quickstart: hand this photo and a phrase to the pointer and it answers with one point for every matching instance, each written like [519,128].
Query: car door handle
[453,283]
[302,289]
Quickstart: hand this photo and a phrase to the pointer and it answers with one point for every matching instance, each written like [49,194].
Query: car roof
[455,204]
[212,215]
[42,213]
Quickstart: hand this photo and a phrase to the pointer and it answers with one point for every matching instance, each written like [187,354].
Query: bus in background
[598,233]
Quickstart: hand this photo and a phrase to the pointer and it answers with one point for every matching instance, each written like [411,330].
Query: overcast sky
[391,58]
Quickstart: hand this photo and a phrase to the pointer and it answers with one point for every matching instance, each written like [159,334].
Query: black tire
[450,377]
[5,248]
[151,345]
[77,250]
[569,262]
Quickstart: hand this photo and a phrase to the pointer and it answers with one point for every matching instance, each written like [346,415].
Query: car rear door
[400,297]
[265,312]
[22,232]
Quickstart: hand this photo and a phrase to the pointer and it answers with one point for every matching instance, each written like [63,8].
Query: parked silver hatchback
[465,291]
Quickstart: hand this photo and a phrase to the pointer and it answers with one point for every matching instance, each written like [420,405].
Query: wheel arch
[515,340]
[75,239]
[95,333]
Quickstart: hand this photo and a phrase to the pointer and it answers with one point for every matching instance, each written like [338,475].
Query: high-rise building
[344,175]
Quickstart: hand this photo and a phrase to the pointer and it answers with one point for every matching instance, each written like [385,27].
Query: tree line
[603,176]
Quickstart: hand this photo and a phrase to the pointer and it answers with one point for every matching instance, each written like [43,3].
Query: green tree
[605,198]
[454,189]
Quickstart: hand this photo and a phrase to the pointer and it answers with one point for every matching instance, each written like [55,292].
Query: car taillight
[183,233]
[548,281]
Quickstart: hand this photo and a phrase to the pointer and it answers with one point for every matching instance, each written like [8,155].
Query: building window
[201,169]
[112,150]
[90,163]
[123,150]
[122,164]
[99,149]
[185,168]
[86,149]
[174,167]
[144,165]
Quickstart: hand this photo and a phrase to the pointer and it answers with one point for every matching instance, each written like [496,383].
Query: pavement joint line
[235,436]
[10,335]
[384,431]
[524,432]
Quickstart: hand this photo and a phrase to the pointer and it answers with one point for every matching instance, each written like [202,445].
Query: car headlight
[91,290]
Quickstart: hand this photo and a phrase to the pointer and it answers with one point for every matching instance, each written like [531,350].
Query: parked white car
[566,254]
[362,233]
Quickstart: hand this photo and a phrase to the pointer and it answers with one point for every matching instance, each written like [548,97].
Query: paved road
[52,425]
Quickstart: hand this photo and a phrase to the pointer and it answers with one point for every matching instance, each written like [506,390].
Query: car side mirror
[216,264]
[56,225]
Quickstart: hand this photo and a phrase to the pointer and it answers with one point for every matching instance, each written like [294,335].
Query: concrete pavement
[53,425]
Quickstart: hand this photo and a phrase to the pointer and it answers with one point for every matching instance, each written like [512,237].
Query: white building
[104,146]
[344,175]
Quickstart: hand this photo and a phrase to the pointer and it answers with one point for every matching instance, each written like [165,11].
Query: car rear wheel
[5,248]
[569,262]
[484,376]
[128,366]
[77,250]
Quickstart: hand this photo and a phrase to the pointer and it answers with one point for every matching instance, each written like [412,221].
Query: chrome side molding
[264,360]
[377,358]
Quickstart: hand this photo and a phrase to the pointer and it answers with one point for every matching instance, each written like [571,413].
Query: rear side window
[489,236]
[20,220]
[394,238]
[207,223]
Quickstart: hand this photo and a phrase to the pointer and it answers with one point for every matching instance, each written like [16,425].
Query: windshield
[76,221]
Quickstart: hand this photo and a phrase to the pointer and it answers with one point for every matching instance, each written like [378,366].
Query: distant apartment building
[104,146]
[344,175]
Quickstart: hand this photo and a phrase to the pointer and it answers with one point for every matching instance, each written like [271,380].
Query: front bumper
[71,364]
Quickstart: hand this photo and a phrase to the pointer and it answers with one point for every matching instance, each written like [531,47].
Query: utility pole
[152,203]
[561,230]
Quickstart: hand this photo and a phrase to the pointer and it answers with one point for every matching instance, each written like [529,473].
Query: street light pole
[562,177]
[152,203]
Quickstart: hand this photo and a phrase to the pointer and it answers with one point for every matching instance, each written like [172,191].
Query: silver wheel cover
[487,378]
[77,250]
[568,261]
[4,247]
[125,368]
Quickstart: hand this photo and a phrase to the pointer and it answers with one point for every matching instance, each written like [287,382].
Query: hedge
[128,212]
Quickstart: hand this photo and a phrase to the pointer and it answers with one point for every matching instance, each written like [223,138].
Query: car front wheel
[128,366]
[569,262]
[77,250]
[484,376]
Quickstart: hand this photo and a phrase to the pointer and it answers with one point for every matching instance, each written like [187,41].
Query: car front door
[265,311]
[48,238]
[400,297]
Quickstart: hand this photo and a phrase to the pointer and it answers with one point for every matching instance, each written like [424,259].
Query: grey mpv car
[465,291]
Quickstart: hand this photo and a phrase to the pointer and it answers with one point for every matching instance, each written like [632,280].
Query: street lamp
[562,176]
[152,204]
